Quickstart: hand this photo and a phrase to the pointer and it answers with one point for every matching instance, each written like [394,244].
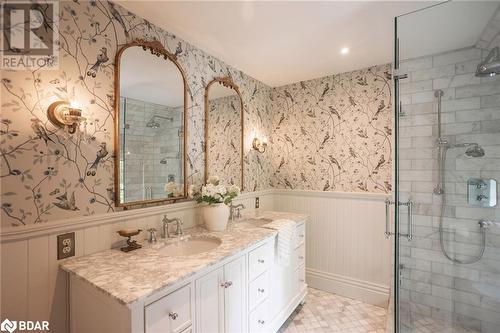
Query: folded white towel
[283,248]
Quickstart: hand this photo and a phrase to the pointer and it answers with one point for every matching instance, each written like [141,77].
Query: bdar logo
[8,326]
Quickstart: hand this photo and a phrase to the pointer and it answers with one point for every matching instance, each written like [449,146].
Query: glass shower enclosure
[447,141]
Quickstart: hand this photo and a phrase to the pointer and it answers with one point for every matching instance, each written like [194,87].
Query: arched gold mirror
[224,132]
[150,125]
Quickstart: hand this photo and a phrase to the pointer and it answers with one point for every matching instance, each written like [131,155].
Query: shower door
[447,142]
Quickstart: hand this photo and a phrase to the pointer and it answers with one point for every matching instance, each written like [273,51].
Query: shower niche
[482,192]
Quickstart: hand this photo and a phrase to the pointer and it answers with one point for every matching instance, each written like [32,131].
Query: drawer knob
[261,261]
[260,290]
[301,257]
[301,280]
[173,315]
[260,321]
[301,236]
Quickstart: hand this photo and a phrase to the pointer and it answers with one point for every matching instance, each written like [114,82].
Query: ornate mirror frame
[156,48]
[228,82]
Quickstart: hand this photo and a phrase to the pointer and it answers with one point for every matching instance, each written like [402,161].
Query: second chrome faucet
[165,233]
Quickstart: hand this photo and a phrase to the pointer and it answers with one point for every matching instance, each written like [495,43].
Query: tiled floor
[326,312]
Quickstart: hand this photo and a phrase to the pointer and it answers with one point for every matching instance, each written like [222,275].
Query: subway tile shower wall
[432,286]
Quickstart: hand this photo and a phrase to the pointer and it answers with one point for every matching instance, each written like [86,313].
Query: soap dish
[131,244]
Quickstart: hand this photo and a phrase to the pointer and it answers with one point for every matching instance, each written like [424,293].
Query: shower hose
[442,159]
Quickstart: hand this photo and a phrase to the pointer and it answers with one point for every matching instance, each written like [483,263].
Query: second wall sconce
[63,114]
[259,145]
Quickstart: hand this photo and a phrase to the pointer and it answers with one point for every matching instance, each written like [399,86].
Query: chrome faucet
[235,211]
[165,222]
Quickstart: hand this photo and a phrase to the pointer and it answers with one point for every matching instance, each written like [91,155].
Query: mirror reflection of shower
[152,123]
[180,136]
[472,150]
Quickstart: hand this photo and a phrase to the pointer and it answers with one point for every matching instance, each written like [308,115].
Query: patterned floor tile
[328,313]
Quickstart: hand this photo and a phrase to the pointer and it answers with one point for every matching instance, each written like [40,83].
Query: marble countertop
[133,276]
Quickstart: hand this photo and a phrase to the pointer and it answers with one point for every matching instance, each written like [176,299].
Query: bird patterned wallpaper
[334,133]
[47,175]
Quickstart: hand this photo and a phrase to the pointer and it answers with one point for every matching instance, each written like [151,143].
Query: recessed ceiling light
[344,50]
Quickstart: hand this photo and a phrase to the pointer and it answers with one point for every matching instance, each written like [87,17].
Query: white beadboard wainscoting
[346,250]
[33,287]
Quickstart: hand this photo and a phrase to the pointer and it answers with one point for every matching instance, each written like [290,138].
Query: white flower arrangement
[214,192]
[173,189]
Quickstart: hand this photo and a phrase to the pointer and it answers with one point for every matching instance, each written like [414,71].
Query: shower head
[475,151]
[152,124]
[490,66]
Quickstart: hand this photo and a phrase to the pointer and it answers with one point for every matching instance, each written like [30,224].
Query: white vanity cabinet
[221,299]
[246,292]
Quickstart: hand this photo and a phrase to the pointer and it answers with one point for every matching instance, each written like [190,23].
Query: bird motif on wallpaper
[282,119]
[102,57]
[287,94]
[380,108]
[303,85]
[334,161]
[100,154]
[334,111]
[352,101]
[325,140]
[117,16]
[380,162]
[40,130]
[65,203]
[327,186]
[281,164]
[325,90]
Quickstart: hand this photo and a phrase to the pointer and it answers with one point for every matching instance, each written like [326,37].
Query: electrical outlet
[65,245]
[257,202]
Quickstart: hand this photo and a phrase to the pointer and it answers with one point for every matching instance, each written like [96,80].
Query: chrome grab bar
[409,204]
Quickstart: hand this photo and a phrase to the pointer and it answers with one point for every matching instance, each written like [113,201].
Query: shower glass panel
[447,91]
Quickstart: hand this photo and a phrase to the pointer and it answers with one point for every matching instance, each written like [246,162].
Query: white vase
[216,217]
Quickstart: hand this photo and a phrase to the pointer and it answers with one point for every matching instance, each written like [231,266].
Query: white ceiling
[149,78]
[282,42]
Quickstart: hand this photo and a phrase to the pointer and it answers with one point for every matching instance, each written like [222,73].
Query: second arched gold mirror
[224,132]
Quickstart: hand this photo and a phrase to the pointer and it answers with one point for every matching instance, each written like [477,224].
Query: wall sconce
[65,115]
[258,145]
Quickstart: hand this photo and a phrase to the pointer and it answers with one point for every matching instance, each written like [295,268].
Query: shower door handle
[409,235]
[387,232]
[408,204]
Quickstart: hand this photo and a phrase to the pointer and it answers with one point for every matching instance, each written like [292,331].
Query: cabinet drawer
[171,313]
[258,319]
[300,234]
[259,260]
[258,290]
[300,255]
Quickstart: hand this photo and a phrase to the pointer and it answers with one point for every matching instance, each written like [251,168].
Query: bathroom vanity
[236,286]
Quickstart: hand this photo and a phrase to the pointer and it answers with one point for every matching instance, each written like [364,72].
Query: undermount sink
[256,222]
[190,246]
